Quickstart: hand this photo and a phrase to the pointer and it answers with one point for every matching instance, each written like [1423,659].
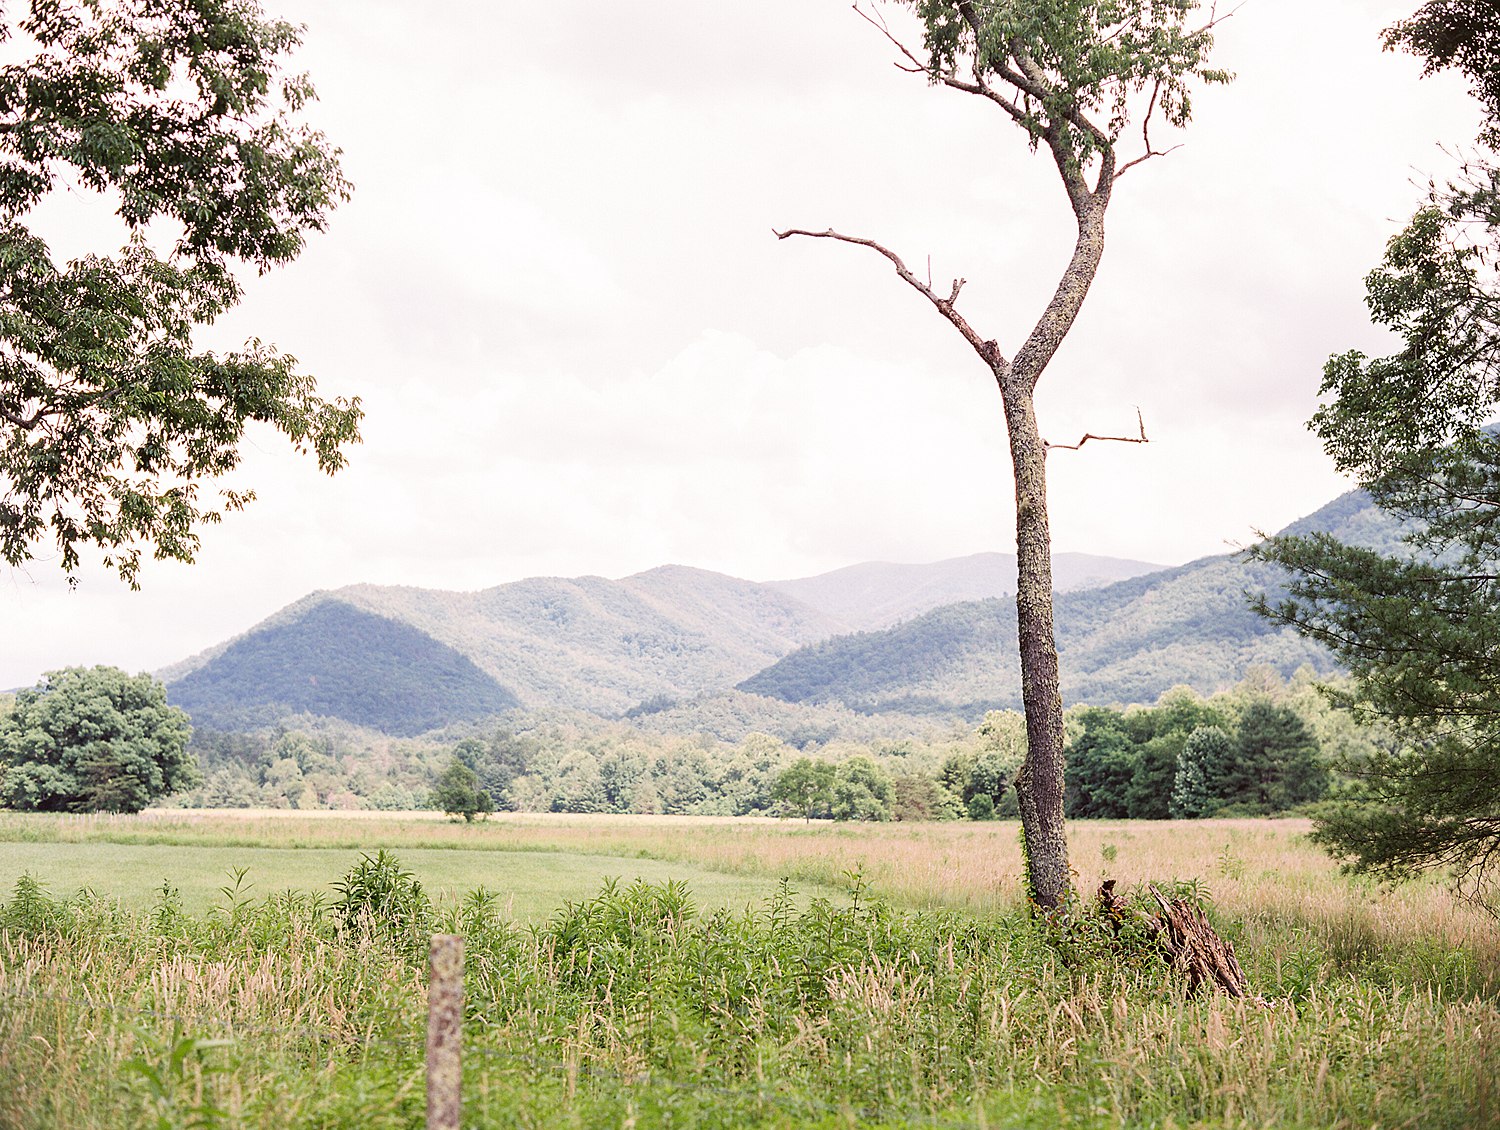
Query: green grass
[712,1002]
[530,885]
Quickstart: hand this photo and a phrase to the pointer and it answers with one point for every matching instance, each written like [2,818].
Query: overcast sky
[581,350]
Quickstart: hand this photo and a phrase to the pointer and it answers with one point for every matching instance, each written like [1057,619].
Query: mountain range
[878,594]
[934,639]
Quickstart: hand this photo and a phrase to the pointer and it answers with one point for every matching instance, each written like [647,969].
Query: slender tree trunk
[1048,80]
[1039,784]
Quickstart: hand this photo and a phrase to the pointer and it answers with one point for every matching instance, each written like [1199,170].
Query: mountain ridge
[1122,643]
[879,594]
[658,640]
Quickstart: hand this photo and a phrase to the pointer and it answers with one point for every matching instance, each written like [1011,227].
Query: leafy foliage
[109,416]
[1240,753]
[939,772]
[861,791]
[1459,34]
[458,793]
[1071,60]
[169,1075]
[378,896]
[1418,627]
[93,739]
[806,788]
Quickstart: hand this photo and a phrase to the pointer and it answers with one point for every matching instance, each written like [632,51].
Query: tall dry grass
[1264,878]
[630,1011]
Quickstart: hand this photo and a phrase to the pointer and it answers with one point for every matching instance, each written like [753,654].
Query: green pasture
[531,885]
[933,998]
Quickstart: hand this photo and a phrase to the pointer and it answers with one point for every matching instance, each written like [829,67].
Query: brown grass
[1259,873]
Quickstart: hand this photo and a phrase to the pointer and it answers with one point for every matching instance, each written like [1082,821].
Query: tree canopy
[806,788]
[458,792]
[1072,67]
[180,114]
[92,740]
[1419,628]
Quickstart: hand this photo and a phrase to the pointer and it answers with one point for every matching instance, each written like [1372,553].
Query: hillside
[1124,643]
[584,644]
[878,594]
[605,647]
[323,656]
[663,646]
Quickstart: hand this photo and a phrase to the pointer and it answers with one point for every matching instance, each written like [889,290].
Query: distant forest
[338,660]
[1266,745]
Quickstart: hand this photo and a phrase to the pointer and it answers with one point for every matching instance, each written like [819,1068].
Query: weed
[637,1003]
[1231,866]
[378,896]
[173,1074]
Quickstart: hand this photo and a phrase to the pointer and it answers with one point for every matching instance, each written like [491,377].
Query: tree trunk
[1039,784]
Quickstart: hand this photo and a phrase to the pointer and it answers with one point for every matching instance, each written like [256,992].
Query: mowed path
[530,885]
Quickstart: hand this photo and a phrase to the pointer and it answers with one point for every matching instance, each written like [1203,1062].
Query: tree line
[98,739]
[1263,747]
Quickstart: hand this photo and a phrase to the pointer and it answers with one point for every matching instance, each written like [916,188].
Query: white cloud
[581,349]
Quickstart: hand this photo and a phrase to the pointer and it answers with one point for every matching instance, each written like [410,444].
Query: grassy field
[688,993]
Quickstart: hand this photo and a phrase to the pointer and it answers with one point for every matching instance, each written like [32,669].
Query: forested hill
[365,653]
[585,643]
[1124,643]
[327,657]
[878,594]
[404,660]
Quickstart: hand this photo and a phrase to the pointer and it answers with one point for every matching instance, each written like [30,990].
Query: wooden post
[445,1020]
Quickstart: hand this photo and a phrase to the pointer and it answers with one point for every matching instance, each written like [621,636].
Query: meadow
[247,969]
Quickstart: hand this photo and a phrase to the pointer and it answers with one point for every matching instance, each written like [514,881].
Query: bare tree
[1072,74]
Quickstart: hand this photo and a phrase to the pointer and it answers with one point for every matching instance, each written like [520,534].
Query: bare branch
[1111,439]
[1214,19]
[25,423]
[1146,137]
[984,91]
[978,86]
[1128,165]
[73,404]
[917,67]
[988,351]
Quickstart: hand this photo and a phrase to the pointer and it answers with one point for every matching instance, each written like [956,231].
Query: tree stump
[1189,942]
[1195,948]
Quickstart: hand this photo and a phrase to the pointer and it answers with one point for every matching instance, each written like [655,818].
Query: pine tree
[1206,748]
[1274,763]
[1418,630]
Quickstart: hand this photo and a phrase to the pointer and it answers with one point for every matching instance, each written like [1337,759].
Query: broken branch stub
[1187,939]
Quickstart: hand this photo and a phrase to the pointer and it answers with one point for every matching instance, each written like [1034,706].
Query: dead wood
[1186,937]
[1195,948]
